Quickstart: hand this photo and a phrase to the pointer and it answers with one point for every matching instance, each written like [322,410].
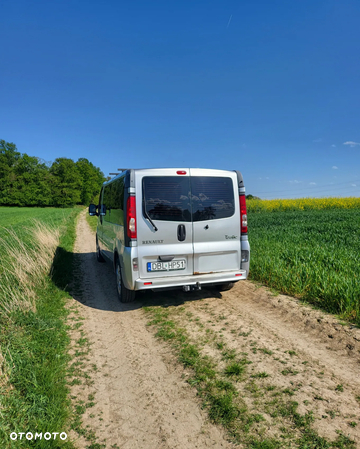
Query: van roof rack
[119,169]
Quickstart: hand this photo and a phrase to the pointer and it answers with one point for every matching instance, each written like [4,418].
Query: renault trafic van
[173,228]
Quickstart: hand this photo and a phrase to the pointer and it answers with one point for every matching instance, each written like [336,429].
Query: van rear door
[216,221]
[164,227]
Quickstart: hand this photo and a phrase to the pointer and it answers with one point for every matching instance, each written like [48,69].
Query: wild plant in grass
[24,261]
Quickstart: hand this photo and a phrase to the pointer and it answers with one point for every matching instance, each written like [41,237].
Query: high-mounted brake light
[131,217]
[243,214]
[181,172]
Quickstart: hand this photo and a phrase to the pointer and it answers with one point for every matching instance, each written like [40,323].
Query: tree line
[29,181]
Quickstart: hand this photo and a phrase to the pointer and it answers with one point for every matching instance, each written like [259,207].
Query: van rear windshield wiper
[147,215]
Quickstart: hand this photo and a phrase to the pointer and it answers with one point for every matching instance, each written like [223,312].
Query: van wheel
[124,294]
[225,287]
[99,257]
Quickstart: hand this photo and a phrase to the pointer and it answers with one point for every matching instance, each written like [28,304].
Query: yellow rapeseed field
[255,205]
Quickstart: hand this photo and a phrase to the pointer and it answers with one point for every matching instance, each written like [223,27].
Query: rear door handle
[166,258]
[181,232]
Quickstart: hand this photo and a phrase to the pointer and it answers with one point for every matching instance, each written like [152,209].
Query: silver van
[173,228]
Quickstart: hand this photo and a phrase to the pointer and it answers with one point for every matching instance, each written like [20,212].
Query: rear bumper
[180,281]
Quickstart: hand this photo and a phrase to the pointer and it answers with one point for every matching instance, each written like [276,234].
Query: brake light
[131,217]
[243,214]
[181,172]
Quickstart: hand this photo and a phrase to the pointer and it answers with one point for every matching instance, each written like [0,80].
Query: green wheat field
[309,249]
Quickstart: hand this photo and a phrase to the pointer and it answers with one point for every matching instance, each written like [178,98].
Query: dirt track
[141,397]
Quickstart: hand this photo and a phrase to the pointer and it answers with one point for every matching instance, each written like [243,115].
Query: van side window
[107,202]
[167,198]
[117,201]
[212,198]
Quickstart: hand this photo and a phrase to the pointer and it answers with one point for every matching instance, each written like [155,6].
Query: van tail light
[243,215]
[131,217]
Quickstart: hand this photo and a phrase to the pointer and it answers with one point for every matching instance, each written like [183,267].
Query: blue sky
[270,88]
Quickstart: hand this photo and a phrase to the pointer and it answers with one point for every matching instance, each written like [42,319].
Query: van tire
[99,257]
[225,287]
[125,295]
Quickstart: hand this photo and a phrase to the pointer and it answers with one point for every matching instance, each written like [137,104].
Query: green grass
[21,217]
[34,343]
[314,255]
[235,369]
[92,221]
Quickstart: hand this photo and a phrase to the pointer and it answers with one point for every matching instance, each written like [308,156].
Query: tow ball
[191,288]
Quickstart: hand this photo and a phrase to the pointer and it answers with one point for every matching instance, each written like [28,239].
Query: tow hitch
[191,288]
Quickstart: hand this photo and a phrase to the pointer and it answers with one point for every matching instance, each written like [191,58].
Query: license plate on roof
[167,266]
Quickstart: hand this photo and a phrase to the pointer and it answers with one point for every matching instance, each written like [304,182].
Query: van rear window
[167,198]
[172,198]
[212,197]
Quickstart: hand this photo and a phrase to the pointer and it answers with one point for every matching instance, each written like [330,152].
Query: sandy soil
[141,397]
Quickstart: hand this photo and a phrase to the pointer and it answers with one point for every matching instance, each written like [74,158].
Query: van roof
[153,169]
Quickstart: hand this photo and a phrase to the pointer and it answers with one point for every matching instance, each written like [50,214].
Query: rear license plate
[167,266]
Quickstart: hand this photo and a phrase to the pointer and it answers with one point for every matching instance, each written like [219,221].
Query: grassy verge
[254,412]
[33,337]
[92,221]
[314,255]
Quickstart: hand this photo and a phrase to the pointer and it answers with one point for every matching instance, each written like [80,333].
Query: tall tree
[32,188]
[8,158]
[91,177]
[66,186]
